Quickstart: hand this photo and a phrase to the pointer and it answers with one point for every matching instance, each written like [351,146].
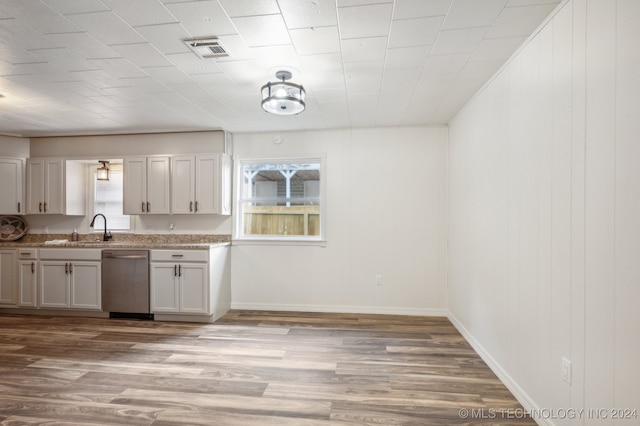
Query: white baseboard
[340,309]
[514,388]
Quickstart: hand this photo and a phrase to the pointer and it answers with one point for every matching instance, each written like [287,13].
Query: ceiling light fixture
[103,171]
[282,98]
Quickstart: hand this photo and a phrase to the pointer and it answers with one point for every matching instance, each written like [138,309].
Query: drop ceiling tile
[363,77]
[414,32]
[323,72]
[146,85]
[15,56]
[458,41]
[118,67]
[519,21]
[202,18]
[272,57]
[472,13]
[85,45]
[142,55]
[236,8]
[167,38]
[364,49]
[407,9]
[68,7]
[330,95]
[247,75]
[496,48]
[63,59]
[266,30]
[517,3]
[18,35]
[364,21]
[313,41]
[235,47]
[106,27]
[407,57]
[39,17]
[362,109]
[192,64]
[141,12]
[348,3]
[308,13]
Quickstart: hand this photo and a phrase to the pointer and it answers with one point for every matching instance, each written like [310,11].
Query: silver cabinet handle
[33,267]
[148,207]
[196,207]
[70,268]
[40,207]
[66,269]
[190,206]
[45,207]
[18,206]
[179,270]
[142,207]
[175,270]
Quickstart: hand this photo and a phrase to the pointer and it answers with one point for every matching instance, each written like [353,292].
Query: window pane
[281,199]
[109,201]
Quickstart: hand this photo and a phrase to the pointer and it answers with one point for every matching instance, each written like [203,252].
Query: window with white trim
[108,200]
[280,199]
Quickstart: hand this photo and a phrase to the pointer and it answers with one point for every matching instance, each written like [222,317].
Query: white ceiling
[115,66]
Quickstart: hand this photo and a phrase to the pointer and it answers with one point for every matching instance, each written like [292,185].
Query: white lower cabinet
[72,283]
[8,288]
[27,284]
[180,282]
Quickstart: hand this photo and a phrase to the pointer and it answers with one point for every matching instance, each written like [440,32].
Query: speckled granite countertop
[150,241]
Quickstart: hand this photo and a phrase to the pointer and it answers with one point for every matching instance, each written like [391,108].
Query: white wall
[117,146]
[544,241]
[385,214]
[14,147]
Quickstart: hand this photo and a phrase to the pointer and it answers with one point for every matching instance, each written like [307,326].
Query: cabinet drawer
[70,254]
[179,255]
[27,253]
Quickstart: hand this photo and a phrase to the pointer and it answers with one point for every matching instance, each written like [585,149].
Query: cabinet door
[27,284]
[183,181]
[135,185]
[158,185]
[11,176]
[8,281]
[206,178]
[53,186]
[35,186]
[85,283]
[194,288]
[54,284]
[164,287]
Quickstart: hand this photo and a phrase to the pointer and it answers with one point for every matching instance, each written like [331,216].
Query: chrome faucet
[107,235]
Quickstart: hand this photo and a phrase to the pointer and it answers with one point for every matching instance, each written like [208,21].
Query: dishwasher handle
[115,255]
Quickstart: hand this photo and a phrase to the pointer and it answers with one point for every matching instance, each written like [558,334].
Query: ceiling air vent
[207,48]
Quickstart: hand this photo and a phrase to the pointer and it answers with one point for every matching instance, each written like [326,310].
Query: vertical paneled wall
[544,190]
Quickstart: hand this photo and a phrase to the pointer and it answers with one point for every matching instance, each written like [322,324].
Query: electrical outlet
[379,279]
[566,370]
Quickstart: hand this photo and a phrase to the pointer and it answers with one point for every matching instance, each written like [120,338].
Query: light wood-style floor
[249,368]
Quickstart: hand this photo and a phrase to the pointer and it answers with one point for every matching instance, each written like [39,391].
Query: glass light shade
[282,98]
[103,171]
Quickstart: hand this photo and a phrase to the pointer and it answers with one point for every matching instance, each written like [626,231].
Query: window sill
[277,242]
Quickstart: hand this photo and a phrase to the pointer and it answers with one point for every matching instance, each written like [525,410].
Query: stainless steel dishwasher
[125,283]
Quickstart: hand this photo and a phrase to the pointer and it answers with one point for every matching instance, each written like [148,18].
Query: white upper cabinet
[12,178]
[146,185]
[200,184]
[55,186]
